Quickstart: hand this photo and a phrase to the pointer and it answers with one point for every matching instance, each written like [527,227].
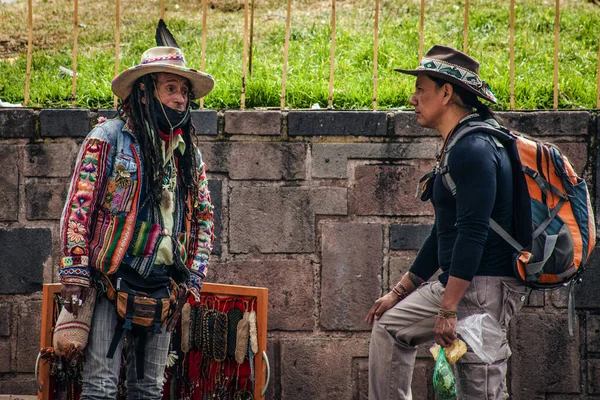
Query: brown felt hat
[455,67]
[163,59]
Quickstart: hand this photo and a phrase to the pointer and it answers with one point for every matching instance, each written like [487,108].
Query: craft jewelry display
[212,356]
[215,358]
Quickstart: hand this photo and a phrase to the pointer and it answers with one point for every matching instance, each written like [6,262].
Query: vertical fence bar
[75,33]
[251,37]
[421,27]
[375,51]
[466,27]
[332,56]
[285,52]
[244,56]
[162,9]
[512,54]
[117,42]
[598,94]
[29,46]
[556,37]
[203,54]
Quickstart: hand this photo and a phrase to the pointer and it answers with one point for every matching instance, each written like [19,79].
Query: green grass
[308,70]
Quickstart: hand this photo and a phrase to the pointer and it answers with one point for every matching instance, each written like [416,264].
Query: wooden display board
[261,362]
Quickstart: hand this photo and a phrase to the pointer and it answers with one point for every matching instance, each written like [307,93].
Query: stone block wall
[317,206]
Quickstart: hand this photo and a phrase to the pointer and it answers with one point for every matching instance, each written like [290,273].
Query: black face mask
[176,118]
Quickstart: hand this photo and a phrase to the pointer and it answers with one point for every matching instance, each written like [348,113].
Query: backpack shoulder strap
[490,127]
[498,135]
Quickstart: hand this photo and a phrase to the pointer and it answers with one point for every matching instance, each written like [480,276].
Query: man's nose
[181,97]
[412,101]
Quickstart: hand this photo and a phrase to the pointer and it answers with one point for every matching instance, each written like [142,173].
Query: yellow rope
[29,46]
[512,54]
[332,56]
[556,38]
[75,33]
[421,28]
[117,40]
[375,50]
[203,56]
[466,27]
[285,52]
[243,99]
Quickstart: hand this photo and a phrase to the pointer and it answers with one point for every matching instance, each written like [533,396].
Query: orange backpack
[554,227]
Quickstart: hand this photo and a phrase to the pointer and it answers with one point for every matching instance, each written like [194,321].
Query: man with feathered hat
[138,219]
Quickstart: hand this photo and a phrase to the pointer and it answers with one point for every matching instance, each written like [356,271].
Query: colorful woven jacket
[106,220]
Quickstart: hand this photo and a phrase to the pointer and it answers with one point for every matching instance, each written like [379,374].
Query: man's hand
[74,296]
[445,326]
[445,331]
[382,305]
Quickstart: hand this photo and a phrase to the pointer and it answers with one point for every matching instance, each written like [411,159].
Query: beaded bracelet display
[208,333]
[192,331]
[198,327]
[234,316]
[220,337]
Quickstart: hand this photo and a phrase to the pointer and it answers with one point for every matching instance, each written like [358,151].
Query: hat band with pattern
[457,72]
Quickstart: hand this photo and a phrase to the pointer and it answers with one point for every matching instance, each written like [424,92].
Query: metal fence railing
[248,34]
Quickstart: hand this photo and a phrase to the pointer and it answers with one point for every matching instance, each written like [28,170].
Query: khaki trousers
[410,323]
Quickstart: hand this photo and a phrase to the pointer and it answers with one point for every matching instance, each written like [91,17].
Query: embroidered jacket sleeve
[204,230]
[87,182]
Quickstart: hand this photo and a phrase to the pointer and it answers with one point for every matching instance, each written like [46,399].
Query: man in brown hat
[469,185]
[138,218]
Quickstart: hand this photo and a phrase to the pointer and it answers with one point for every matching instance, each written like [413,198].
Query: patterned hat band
[166,58]
[459,73]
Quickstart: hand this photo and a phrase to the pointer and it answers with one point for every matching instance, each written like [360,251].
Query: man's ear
[448,92]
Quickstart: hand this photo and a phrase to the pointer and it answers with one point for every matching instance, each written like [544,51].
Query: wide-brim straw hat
[455,67]
[163,59]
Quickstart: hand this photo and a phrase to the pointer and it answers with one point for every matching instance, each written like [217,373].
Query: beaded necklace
[220,337]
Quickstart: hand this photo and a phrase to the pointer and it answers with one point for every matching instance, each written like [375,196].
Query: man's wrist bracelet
[447,313]
[397,293]
[400,290]
[401,287]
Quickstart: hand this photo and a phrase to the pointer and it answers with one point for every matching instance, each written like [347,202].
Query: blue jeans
[101,374]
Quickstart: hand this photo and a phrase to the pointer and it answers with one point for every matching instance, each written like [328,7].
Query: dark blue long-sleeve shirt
[461,242]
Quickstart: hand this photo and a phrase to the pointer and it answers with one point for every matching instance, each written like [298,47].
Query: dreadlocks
[145,129]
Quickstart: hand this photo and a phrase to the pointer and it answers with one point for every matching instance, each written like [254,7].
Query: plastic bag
[484,334]
[444,382]
[455,351]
